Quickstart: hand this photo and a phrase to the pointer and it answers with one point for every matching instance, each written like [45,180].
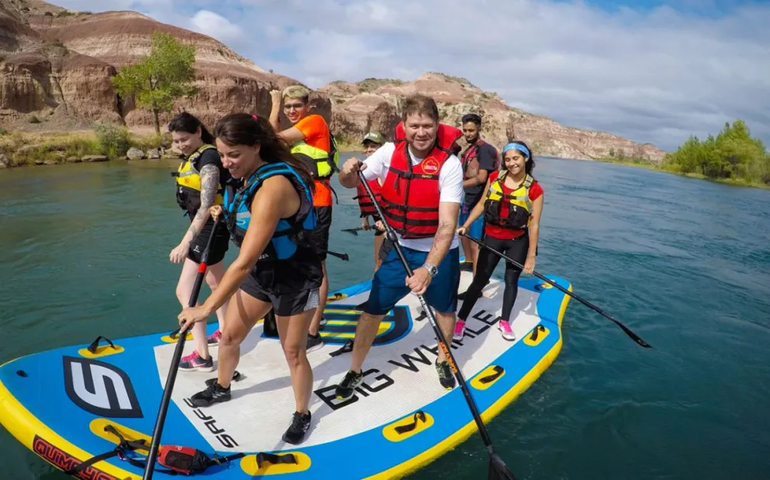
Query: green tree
[160,78]
[732,154]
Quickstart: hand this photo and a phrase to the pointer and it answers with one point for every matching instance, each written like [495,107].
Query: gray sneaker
[348,384]
[445,375]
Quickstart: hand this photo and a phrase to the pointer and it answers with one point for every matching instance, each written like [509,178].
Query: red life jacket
[410,194]
[364,202]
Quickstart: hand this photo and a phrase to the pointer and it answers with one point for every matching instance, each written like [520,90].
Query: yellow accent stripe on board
[249,465]
[168,339]
[540,335]
[493,372]
[24,426]
[101,351]
[470,428]
[98,425]
[389,431]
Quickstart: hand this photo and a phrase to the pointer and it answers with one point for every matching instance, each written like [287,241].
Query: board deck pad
[398,420]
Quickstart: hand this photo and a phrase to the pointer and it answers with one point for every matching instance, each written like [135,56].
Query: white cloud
[652,76]
[217,26]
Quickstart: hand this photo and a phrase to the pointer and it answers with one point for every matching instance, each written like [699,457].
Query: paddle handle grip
[177,357]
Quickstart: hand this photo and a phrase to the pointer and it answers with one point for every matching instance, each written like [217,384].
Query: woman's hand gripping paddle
[497,468]
[588,304]
[161,419]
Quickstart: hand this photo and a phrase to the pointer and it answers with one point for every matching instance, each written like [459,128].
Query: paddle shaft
[391,234]
[343,256]
[588,304]
[171,378]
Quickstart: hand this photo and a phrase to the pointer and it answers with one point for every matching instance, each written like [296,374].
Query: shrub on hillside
[112,140]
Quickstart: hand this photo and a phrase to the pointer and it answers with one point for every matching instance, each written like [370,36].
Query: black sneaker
[348,384]
[445,376]
[314,342]
[299,426]
[213,394]
[236,378]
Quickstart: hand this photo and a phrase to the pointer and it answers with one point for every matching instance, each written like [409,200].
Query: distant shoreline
[725,181]
[80,148]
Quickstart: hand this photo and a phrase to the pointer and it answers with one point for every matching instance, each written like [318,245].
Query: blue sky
[646,70]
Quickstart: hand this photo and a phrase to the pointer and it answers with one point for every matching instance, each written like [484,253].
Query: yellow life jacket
[519,204]
[322,164]
[188,183]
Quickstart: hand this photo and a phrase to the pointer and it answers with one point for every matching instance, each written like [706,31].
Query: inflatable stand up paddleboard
[70,404]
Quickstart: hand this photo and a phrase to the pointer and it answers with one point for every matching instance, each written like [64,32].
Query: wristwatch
[432,270]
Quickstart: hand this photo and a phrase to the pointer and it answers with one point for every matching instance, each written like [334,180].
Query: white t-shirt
[450,184]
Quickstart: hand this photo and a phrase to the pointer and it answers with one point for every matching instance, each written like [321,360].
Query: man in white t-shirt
[421,193]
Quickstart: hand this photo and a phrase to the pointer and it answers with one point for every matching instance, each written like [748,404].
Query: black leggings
[517,250]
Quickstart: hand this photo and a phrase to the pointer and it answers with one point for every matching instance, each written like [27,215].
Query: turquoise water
[684,263]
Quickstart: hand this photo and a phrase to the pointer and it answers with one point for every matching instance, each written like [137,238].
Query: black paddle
[343,256]
[497,468]
[160,421]
[353,231]
[588,304]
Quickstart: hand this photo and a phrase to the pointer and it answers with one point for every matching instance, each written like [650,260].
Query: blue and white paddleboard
[58,403]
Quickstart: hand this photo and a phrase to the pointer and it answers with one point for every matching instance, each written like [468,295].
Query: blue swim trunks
[476,229]
[388,285]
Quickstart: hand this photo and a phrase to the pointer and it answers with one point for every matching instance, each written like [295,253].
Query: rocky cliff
[373,104]
[99,44]
[56,64]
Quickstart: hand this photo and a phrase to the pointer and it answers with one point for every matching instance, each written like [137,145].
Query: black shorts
[319,238]
[284,305]
[219,245]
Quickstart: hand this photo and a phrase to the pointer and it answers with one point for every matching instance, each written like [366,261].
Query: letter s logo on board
[100,388]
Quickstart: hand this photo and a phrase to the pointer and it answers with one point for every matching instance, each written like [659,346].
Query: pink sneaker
[213,339]
[194,361]
[505,328]
[459,329]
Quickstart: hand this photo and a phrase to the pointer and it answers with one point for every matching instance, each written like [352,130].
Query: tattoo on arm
[441,241]
[209,185]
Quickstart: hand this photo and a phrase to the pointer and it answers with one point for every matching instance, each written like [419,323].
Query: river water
[685,263]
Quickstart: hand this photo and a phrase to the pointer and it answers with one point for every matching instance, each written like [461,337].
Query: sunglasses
[293,106]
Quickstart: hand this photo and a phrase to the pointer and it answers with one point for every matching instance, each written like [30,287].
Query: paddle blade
[498,470]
